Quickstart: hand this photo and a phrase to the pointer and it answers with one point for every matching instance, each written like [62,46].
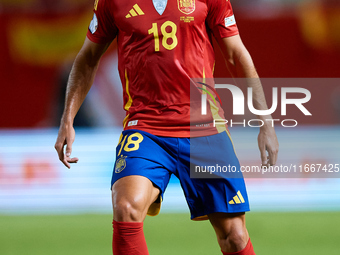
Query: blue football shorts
[157,158]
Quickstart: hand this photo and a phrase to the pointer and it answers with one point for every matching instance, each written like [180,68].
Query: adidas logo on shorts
[238,199]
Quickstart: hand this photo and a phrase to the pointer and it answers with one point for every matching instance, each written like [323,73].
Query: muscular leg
[231,232]
[131,198]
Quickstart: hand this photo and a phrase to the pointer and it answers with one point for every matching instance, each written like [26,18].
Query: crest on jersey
[186,6]
[160,5]
[120,164]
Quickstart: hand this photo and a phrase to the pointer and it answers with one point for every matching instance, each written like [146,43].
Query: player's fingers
[72,160]
[65,162]
[275,158]
[64,159]
[68,152]
[68,147]
[270,159]
[263,157]
[272,156]
[59,146]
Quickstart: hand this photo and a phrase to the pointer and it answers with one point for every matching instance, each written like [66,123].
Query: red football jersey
[162,44]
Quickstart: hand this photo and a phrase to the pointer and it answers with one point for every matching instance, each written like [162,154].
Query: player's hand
[66,137]
[268,142]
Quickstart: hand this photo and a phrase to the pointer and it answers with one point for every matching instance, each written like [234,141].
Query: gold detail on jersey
[154,31]
[166,35]
[214,110]
[203,75]
[186,6]
[238,199]
[96,4]
[186,19]
[135,11]
[138,9]
[169,35]
[125,120]
[129,102]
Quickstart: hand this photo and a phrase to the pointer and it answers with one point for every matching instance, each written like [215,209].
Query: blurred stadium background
[48,209]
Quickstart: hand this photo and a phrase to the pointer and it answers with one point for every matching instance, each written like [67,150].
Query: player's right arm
[79,83]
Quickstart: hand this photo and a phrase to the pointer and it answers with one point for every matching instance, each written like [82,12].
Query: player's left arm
[240,65]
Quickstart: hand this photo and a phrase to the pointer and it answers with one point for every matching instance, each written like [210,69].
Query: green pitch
[168,234]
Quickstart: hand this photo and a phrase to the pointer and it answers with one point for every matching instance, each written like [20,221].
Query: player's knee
[126,211]
[234,241]
[239,238]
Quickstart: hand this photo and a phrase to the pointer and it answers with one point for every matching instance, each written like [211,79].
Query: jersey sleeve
[220,19]
[102,28]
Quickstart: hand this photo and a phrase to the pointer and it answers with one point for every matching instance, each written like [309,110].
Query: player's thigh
[141,174]
[132,197]
[209,192]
